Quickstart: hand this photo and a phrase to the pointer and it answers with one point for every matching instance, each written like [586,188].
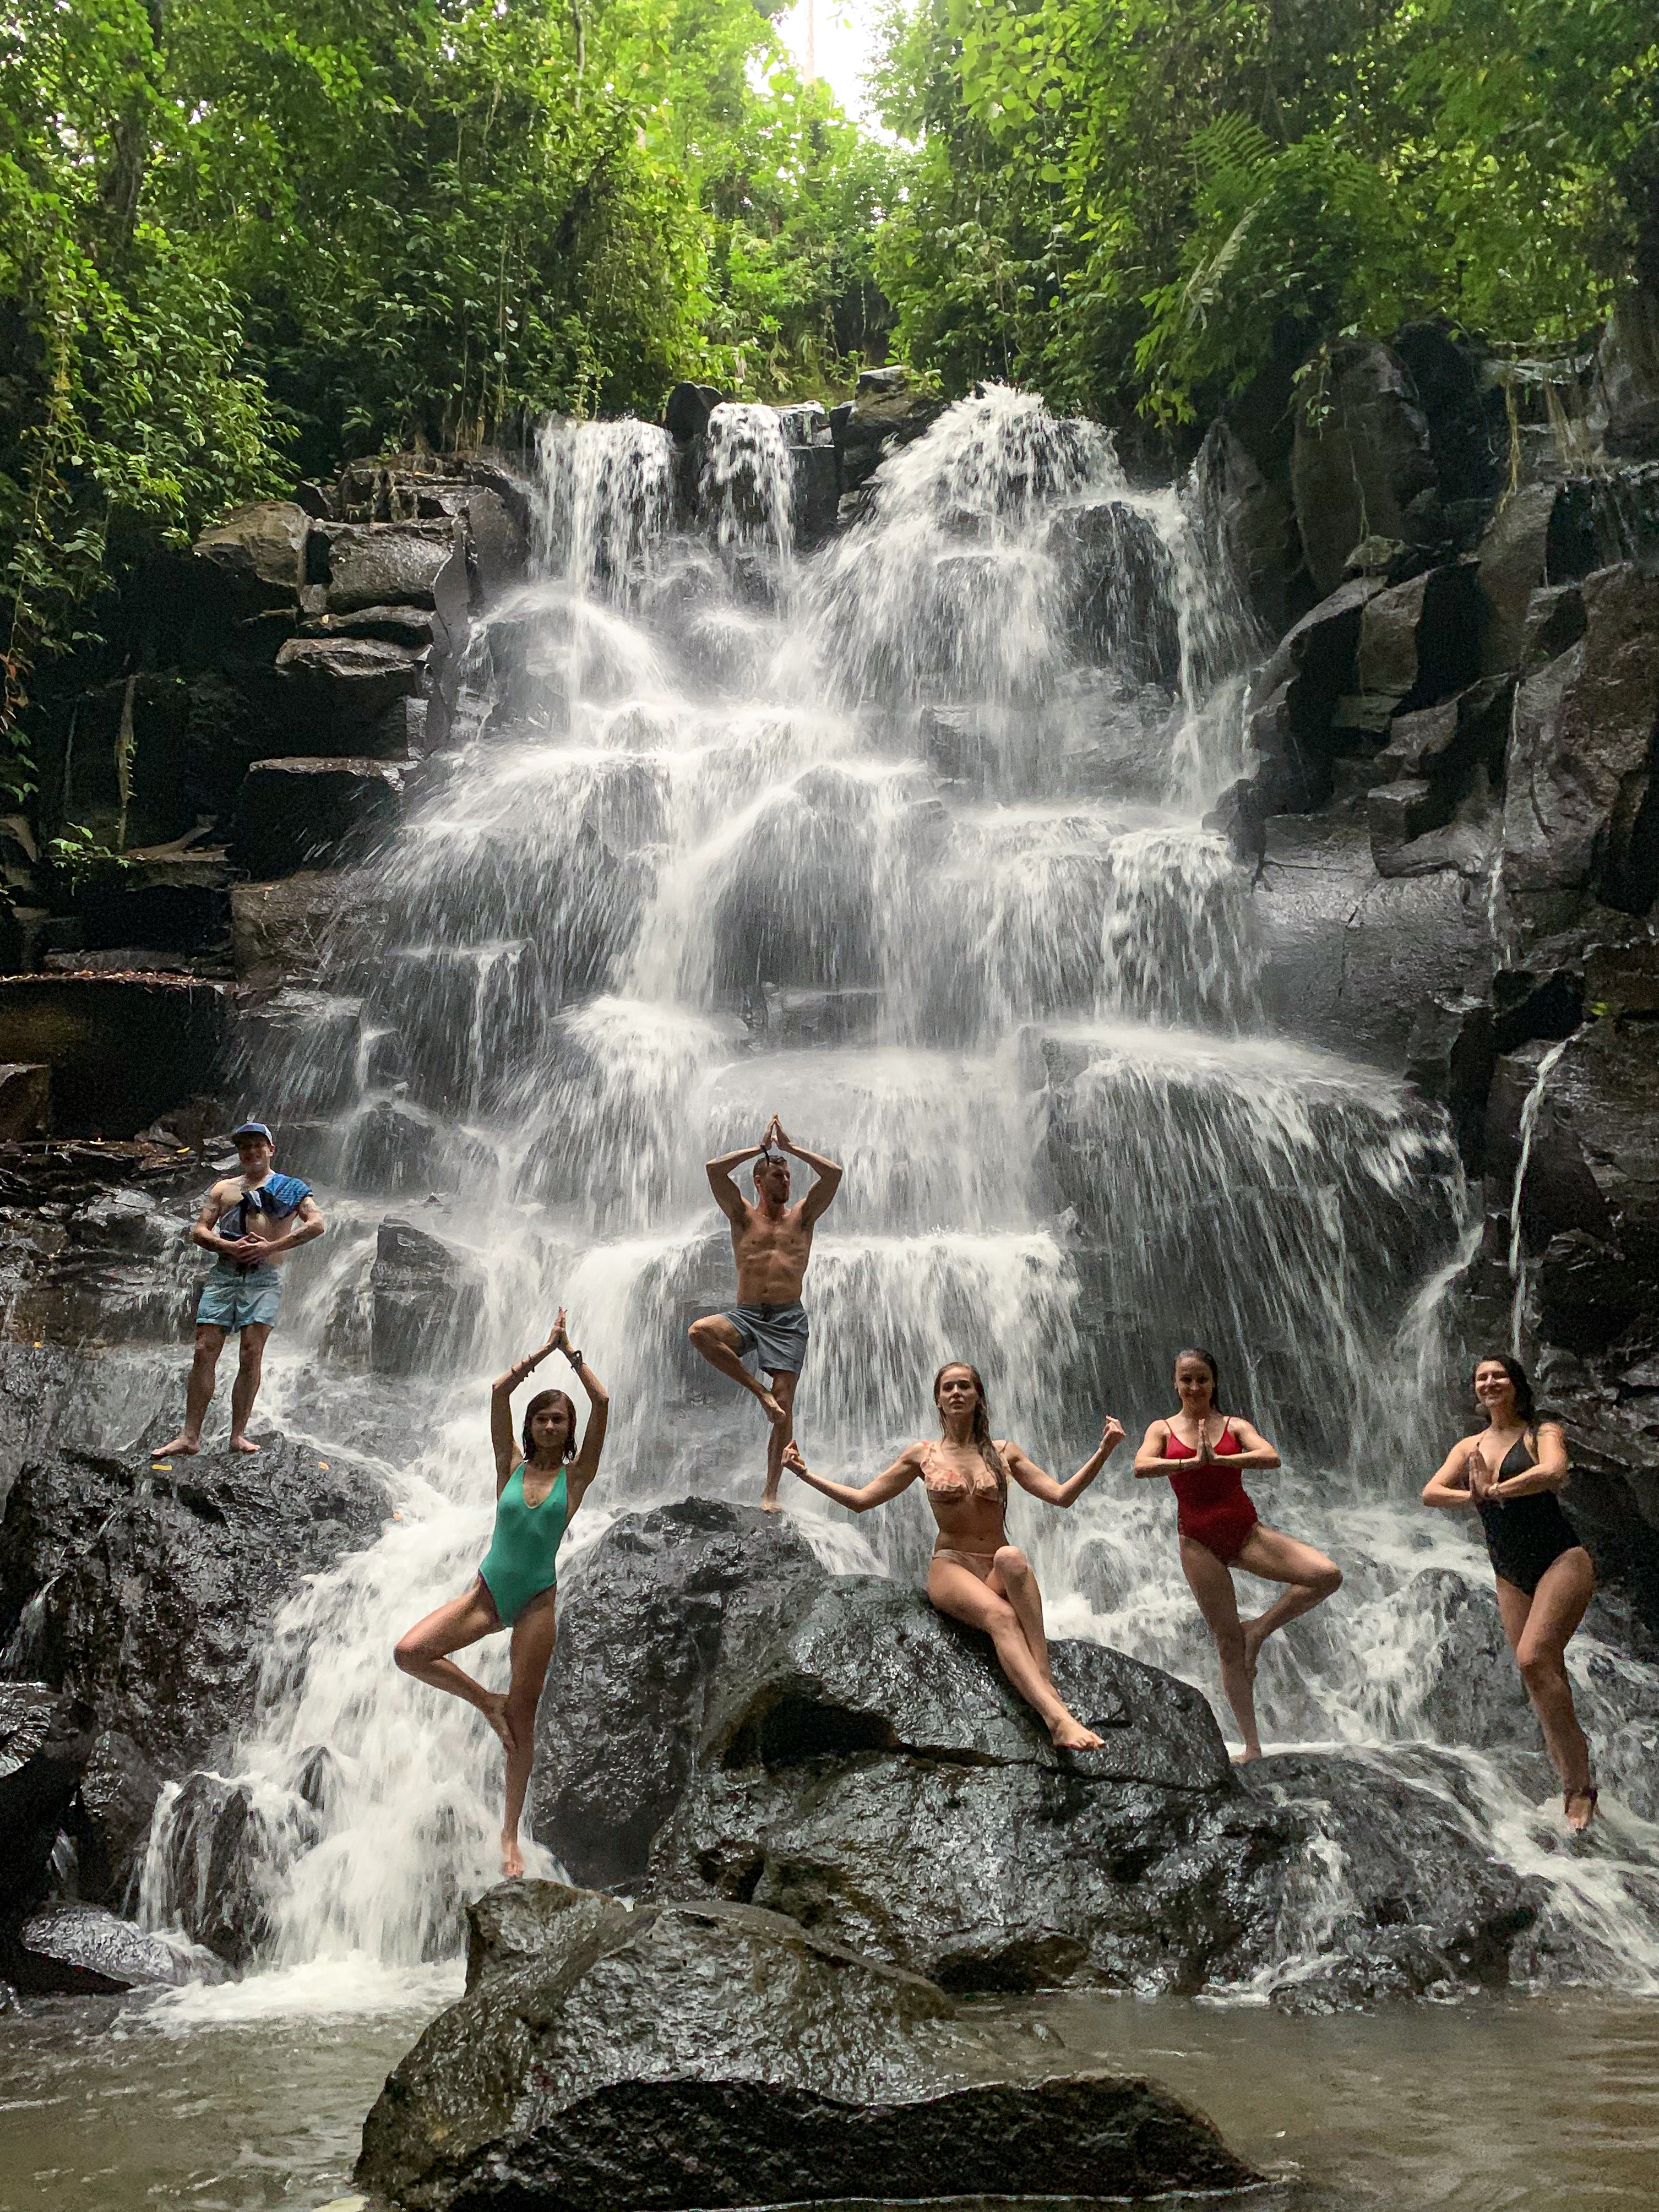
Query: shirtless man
[268,1216]
[772,1242]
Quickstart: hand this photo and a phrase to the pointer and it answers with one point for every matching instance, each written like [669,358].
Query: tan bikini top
[951,1487]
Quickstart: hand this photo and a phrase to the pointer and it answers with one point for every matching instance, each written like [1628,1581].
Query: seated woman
[977,1575]
[537,1490]
[1511,1472]
[1219,1529]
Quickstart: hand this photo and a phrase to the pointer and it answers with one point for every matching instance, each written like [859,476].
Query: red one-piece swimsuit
[1215,1509]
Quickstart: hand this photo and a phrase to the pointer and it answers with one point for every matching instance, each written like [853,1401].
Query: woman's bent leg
[1212,1586]
[1012,1575]
[423,1652]
[533,1636]
[1539,1637]
[1276,1557]
[954,1590]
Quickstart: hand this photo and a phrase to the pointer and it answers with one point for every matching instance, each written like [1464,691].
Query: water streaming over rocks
[902,841]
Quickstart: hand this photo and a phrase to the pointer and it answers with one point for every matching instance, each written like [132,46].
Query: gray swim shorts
[774,1337]
[232,1298]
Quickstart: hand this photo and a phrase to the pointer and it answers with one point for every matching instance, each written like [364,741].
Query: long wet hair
[981,1431]
[550,1398]
[1519,1377]
[1197,1352]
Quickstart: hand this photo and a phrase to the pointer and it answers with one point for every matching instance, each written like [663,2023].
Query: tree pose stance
[771,1242]
[1512,1473]
[977,1574]
[1219,1530]
[537,1489]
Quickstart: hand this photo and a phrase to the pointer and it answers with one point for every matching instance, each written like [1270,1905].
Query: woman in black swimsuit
[1511,1474]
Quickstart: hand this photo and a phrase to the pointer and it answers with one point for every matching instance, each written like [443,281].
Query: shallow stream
[223,2102]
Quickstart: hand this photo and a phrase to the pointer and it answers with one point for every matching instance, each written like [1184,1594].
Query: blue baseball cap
[253,1129]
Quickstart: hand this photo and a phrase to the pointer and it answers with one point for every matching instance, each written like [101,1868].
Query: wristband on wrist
[573,1356]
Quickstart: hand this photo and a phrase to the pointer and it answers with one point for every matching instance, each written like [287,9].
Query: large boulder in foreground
[676,2056]
[150,1593]
[726,1720]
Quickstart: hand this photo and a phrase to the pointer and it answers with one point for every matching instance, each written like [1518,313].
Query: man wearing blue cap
[250,1223]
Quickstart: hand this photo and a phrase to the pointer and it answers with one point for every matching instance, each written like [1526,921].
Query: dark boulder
[1361,458]
[221,1857]
[686,413]
[82,1950]
[668,1595]
[1421,638]
[283,932]
[151,1592]
[1468,426]
[1119,583]
[35,1798]
[121,1049]
[1293,704]
[678,2056]
[1247,524]
[258,553]
[294,814]
[376,565]
[426,1300]
[878,1766]
[341,689]
[1580,814]
[110,1827]
[1628,375]
[1398,1876]
[1437,760]
[25,1100]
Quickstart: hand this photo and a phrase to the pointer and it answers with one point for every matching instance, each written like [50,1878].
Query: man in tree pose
[772,1242]
[252,1223]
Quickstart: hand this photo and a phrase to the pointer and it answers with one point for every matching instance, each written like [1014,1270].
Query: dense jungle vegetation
[238,242]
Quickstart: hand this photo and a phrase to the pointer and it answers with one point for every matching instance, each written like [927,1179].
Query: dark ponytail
[550,1398]
[981,1428]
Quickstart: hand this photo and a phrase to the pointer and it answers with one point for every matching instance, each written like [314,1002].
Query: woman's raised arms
[876,1492]
[502,1442]
[1030,1476]
[586,1465]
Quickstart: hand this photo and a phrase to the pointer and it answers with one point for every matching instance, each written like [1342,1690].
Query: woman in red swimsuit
[1219,1530]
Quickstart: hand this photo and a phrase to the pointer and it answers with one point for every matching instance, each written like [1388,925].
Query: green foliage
[1132,201]
[239,243]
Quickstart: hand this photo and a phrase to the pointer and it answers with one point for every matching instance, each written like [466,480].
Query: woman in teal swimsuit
[537,1491]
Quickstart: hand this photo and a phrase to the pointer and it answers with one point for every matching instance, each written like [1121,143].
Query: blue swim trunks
[233,1296]
[774,1337]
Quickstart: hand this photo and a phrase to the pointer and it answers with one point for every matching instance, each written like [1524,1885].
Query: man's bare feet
[1070,1735]
[1248,1755]
[511,1859]
[180,1448]
[496,1713]
[243,1444]
[1580,1807]
[770,1502]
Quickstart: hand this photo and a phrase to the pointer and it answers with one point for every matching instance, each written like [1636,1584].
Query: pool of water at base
[1494,2105]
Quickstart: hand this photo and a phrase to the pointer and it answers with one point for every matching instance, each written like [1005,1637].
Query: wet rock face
[151,1595]
[665,1597]
[1579,813]
[834,1750]
[680,2055]
[1417,1902]
[426,1301]
[1361,458]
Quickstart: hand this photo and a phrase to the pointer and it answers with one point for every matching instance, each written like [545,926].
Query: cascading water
[901,841]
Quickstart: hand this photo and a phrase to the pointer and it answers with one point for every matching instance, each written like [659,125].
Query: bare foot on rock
[511,1859]
[1070,1735]
[770,1502]
[1249,1756]
[243,1444]
[1580,1804]
[180,1448]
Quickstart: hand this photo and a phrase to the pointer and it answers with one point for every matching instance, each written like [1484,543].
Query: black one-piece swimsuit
[1525,1536]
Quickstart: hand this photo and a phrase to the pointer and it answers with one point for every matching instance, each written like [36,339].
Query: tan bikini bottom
[977,1563]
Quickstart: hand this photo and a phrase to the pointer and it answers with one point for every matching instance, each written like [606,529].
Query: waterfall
[1531,1107]
[902,842]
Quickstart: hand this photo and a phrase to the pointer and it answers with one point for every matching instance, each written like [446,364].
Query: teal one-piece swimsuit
[520,1563]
